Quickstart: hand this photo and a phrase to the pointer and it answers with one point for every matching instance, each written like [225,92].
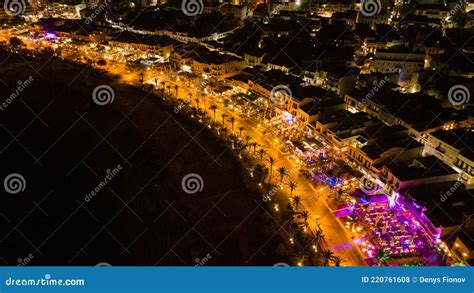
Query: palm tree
[382,256]
[296,201]
[176,89]
[305,215]
[282,172]
[292,185]
[326,256]
[337,261]
[259,172]
[224,129]
[247,139]
[197,103]
[272,161]
[213,108]
[254,144]
[261,153]
[318,235]
[232,121]
[240,130]
[223,119]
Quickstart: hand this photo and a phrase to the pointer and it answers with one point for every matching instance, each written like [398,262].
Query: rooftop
[461,139]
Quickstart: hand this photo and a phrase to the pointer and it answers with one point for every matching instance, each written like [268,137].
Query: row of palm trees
[327,257]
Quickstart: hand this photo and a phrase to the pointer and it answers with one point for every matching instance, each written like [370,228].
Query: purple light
[51,36]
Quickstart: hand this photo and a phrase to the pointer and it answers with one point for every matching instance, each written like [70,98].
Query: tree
[382,257]
[16,42]
[337,261]
[224,129]
[240,130]
[272,161]
[176,89]
[232,121]
[282,172]
[261,153]
[292,185]
[223,119]
[213,108]
[305,215]
[247,139]
[318,235]
[254,145]
[259,172]
[326,256]
[296,199]
[197,103]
